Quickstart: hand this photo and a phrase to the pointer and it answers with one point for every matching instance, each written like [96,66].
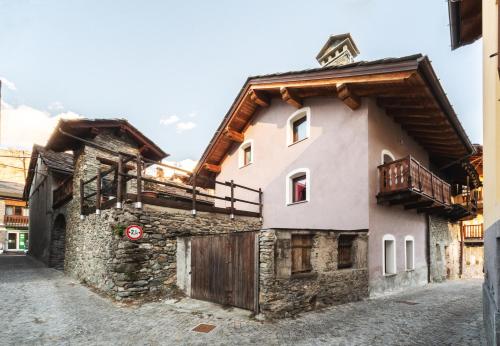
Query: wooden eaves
[407,88]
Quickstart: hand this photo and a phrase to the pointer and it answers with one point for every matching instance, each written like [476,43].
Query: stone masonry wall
[99,254]
[444,238]
[283,295]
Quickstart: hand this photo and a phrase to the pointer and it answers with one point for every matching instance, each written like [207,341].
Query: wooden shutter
[301,253]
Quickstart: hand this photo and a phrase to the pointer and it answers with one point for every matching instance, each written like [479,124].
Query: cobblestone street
[41,306]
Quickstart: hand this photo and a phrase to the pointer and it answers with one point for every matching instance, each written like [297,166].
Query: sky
[173,68]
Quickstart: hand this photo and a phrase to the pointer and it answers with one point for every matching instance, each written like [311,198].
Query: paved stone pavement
[40,306]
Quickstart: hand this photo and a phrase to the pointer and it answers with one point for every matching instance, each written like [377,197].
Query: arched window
[386,157]
[298,186]
[298,126]
[245,153]
[409,252]
[389,254]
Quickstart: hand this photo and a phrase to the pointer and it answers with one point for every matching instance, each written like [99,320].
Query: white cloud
[22,126]
[193,114]
[169,120]
[56,106]
[8,84]
[185,126]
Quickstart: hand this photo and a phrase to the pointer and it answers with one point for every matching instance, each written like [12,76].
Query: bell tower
[338,50]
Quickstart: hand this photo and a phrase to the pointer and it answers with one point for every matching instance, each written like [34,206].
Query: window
[13,210]
[409,253]
[389,254]
[387,157]
[298,186]
[12,241]
[246,153]
[299,129]
[345,251]
[298,126]
[301,253]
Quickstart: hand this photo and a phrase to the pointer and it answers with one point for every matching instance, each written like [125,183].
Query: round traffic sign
[134,232]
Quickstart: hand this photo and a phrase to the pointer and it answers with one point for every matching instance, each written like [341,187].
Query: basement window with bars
[345,251]
[301,253]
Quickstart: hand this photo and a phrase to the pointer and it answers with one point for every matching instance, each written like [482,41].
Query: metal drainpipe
[428,248]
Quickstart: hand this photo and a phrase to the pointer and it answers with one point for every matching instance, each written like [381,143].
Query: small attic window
[298,126]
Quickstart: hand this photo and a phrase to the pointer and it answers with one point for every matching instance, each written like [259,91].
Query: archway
[57,243]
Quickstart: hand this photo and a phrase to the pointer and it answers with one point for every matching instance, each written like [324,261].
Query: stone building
[47,171]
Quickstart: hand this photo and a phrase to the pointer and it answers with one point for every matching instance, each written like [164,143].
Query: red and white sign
[134,232]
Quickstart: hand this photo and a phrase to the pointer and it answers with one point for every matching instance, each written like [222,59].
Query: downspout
[428,248]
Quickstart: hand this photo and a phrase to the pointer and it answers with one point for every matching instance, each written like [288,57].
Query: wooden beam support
[212,168]
[347,96]
[406,112]
[290,97]
[259,97]
[234,135]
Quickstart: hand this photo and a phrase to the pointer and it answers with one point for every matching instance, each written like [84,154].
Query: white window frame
[289,189]
[302,112]
[412,239]
[389,237]
[388,153]
[241,153]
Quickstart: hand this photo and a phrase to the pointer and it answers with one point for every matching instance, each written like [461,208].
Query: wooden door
[223,269]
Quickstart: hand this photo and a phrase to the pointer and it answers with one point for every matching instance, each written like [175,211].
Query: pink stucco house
[350,151]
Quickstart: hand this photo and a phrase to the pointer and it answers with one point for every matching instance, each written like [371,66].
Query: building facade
[14,222]
[343,149]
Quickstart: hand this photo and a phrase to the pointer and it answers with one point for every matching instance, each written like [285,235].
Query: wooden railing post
[138,203]
[260,203]
[193,208]
[119,188]
[98,193]
[82,195]
[232,199]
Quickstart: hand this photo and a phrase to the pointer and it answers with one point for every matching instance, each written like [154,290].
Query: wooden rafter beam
[398,111]
[345,93]
[387,90]
[398,102]
[234,135]
[212,168]
[427,129]
[260,98]
[290,97]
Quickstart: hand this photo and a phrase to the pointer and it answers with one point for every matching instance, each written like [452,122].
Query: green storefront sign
[22,241]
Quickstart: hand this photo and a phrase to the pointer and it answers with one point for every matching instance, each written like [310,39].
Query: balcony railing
[63,193]
[16,220]
[473,232]
[408,175]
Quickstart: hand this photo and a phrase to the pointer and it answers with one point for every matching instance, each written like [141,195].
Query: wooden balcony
[20,221]
[473,233]
[407,182]
[63,193]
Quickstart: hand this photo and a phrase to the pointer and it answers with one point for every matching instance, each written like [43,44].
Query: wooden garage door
[223,269]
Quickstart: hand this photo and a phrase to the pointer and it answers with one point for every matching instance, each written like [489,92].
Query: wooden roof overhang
[465,21]
[89,128]
[407,88]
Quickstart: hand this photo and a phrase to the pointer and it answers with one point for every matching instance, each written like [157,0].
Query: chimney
[338,50]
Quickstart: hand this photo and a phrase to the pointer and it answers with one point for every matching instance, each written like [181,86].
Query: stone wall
[285,294]
[444,251]
[473,261]
[99,254]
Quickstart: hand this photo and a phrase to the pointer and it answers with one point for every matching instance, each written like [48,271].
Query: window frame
[304,112]
[289,185]
[388,153]
[389,237]
[412,239]
[241,153]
